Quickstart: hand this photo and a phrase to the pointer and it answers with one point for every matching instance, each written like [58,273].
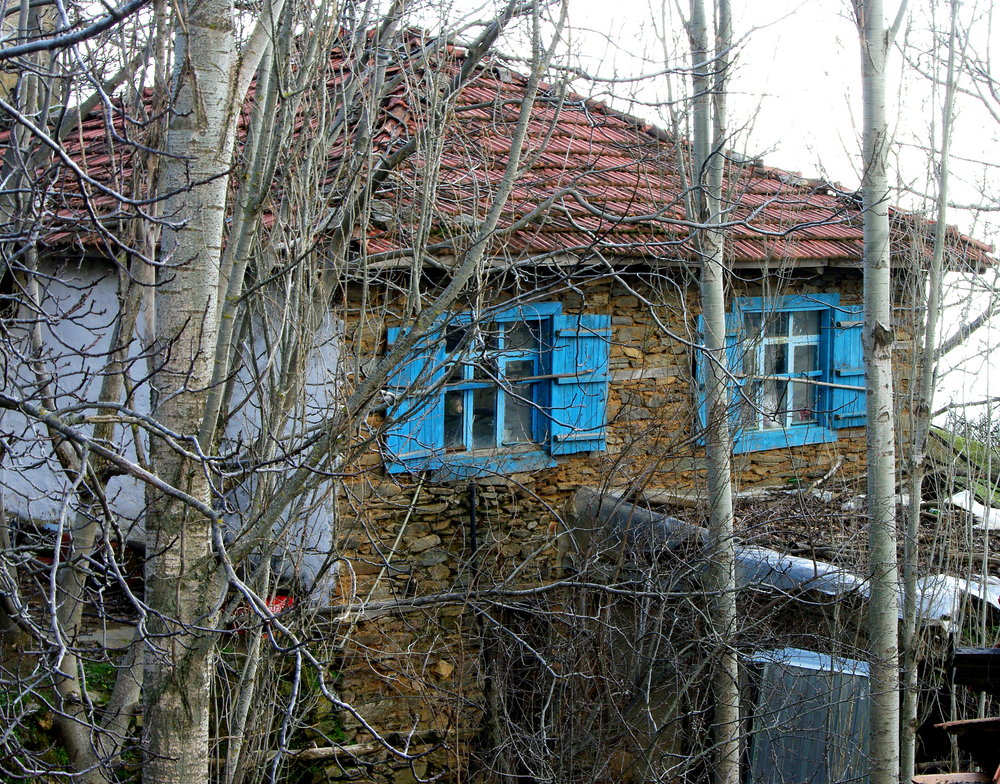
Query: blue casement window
[500,394]
[797,370]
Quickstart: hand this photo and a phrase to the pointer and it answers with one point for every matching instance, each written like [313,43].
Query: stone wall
[416,663]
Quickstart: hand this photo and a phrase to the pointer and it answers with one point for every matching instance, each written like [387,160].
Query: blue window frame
[797,370]
[492,397]
[500,394]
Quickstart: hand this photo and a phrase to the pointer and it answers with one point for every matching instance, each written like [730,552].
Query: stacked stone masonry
[404,536]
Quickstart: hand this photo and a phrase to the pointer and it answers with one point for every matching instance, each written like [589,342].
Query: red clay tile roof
[596,183]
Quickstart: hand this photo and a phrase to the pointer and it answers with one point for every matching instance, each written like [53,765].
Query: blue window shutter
[417,434]
[847,407]
[578,397]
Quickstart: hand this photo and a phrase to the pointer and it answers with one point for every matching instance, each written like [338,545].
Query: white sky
[795,101]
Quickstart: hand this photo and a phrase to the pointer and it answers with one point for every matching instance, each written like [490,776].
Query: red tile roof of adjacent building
[595,184]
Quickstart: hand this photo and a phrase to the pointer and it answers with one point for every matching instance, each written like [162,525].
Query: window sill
[762,440]
[472,465]
[491,463]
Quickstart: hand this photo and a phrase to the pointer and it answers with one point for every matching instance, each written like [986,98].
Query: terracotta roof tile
[600,169]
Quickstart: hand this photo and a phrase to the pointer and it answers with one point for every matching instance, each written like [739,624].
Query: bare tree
[197,301]
[921,407]
[876,41]
[709,71]
[207,343]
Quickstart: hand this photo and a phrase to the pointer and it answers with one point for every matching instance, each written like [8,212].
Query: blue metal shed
[810,718]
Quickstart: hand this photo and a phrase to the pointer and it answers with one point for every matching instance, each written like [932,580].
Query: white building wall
[79,310]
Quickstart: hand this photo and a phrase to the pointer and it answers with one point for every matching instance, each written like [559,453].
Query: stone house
[574,364]
[571,362]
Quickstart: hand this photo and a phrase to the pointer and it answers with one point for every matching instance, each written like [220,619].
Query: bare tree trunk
[179,570]
[709,81]
[881,430]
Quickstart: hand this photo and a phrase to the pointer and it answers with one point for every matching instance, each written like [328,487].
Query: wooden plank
[952,778]
[989,724]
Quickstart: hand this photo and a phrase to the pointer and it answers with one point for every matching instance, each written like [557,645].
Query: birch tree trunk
[878,340]
[709,82]
[180,570]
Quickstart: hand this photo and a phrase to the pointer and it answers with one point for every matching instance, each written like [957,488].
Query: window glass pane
[517,414]
[805,358]
[775,358]
[745,413]
[491,337]
[805,322]
[777,325]
[520,368]
[803,403]
[484,418]
[486,369]
[453,337]
[780,343]
[485,351]
[486,356]
[521,336]
[773,404]
[454,420]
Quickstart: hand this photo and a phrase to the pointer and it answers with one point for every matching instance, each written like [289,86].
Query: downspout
[474,531]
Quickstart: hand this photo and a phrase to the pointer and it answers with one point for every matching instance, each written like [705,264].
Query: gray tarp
[605,521]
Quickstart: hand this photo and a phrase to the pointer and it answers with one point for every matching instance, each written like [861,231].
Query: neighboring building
[572,363]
